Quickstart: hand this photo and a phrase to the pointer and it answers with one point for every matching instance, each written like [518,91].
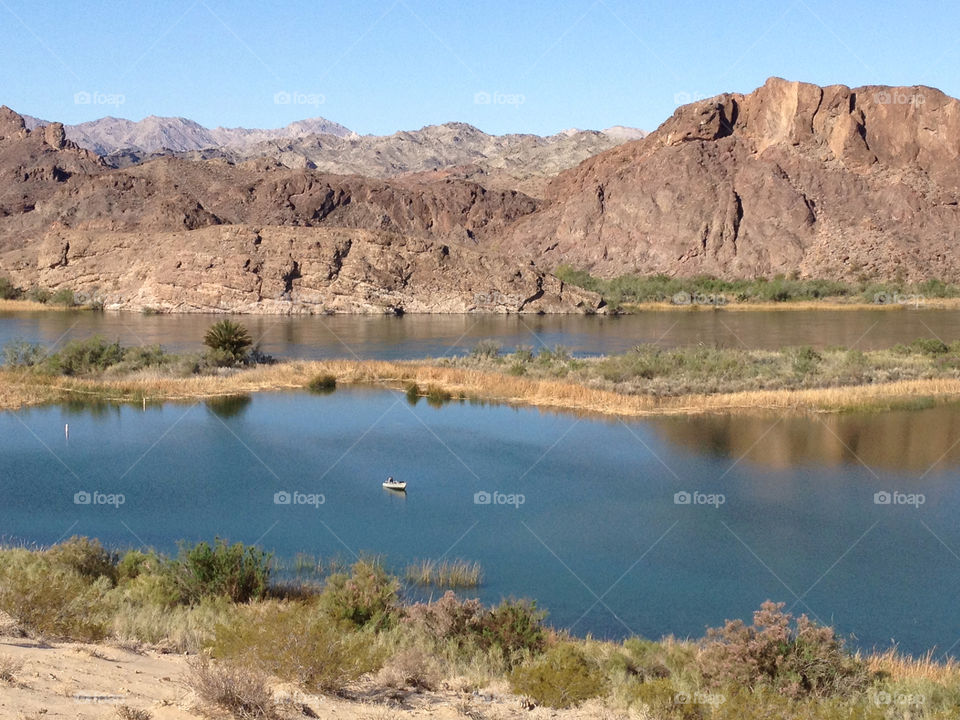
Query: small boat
[399,485]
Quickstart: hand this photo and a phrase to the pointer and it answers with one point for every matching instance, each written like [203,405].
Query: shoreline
[827,304]
[19,389]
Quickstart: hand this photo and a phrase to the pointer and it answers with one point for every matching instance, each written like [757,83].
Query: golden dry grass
[32,306]
[18,389]
[904,668]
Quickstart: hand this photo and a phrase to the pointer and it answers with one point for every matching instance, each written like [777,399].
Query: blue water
[599,540]
[417,336]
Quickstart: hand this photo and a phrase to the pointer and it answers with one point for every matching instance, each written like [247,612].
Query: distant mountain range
[176,134]
[519,161]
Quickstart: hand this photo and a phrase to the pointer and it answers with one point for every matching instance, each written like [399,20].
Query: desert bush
[180,628]
[8,291]
[514,626]
[411,668]
[53,599]
[87,556]
[486,350]
[562,677]
[63,296]
[449,618]
[367,597]
[296,643]
[126,712]
[322,384]
[222,686]
[229,339]
[81,357]
[38,295]
[239,572]
[20,354]
[795,659]
[9,667]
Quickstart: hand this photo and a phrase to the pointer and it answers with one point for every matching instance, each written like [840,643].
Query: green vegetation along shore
[645,380]
[329,631]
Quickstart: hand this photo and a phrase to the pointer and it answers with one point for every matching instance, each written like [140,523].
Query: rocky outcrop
[289,270]
[831,182]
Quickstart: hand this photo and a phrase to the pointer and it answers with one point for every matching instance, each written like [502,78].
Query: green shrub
[20,354]
[368,596]
[53,599]
[486,350]
[38,295]
[929,346]
[322,384]
[229,338]
[514,626]
[81,357]
[561,678]
[8,291]
[298,644]
[88,557]
[795,659]
[63,296]
[239,572]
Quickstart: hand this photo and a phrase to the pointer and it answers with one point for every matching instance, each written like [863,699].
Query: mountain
[822,181]
[185,235]
[520,162]
[175,134]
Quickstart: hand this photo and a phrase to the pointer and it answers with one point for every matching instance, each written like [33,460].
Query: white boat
[392,484]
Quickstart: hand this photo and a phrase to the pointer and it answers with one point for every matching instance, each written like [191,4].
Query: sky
[502,65]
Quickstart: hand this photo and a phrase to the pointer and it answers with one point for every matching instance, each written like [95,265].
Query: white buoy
[144,403]
[66,431]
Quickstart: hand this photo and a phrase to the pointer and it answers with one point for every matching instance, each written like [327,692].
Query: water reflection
[906,440]
[411,336]
[229,406]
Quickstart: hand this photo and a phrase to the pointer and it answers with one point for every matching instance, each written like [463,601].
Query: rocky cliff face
[174,234]
[289,270]
[831,182]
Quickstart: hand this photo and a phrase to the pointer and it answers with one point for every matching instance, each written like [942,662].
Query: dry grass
[19,389]
[227,688]
[9,667]
[33,306]
[446,573]
[788,305]
[905,668]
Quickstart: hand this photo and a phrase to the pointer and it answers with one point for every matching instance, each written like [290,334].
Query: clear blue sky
[385,65]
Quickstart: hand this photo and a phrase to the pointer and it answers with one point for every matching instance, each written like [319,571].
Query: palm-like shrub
[229,338]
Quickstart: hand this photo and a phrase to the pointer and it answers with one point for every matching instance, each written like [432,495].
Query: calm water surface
[599,539]
[415,336]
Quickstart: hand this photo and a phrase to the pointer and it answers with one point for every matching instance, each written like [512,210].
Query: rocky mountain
[824,181]
[184,235]
[519,162]
[109,135]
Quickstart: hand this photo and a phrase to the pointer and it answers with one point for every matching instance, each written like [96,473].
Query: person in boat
[390,479]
